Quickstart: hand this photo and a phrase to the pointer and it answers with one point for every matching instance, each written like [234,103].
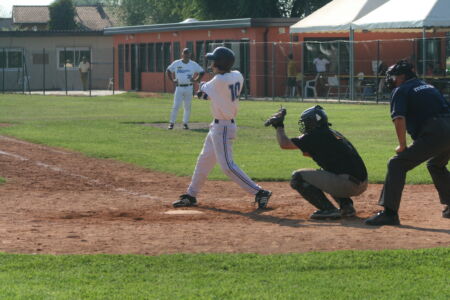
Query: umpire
[419,109]
[343,172]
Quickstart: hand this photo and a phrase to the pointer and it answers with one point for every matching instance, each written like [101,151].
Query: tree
[62,15]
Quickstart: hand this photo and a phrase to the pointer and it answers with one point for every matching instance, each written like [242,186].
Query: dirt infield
[59,202]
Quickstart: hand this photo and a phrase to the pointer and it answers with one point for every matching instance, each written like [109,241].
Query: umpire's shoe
[348,211]
[185,201]
[262,198]
[324,214]
[446,212]
[382,218]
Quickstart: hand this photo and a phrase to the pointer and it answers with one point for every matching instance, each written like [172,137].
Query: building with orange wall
[142,53]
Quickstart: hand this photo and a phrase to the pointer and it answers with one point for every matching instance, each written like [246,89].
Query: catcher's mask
[402,67]
[311,118]
[222,57]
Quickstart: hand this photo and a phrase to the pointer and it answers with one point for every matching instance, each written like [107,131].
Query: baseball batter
[419,109]
[223,91]
[184,70]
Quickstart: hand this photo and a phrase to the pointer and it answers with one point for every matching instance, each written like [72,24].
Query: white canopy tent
[397,14]
[338,16]
[401,14]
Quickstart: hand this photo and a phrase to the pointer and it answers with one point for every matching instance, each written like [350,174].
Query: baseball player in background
[419,109]
[181,72]
[223,91]
[343,172]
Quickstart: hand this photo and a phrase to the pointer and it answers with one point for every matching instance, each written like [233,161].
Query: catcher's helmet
[311,118]
[223,58]
[400,68]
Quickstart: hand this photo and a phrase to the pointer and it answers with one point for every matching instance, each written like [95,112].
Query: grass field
[405,274]
[111,127]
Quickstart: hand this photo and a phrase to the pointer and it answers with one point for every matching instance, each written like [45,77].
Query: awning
[337,15]
[397,14]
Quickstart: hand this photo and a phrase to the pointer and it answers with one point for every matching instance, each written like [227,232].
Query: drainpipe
[266,61]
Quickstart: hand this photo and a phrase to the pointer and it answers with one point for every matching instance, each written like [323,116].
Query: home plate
[183,212]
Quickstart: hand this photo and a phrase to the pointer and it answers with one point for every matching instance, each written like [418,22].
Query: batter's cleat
[170,127]
[324,214]
[382,218]
[185,201]
[262,198]
[185,126]
[348,211]
[446,212]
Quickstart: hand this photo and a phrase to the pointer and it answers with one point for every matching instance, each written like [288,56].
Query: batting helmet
[400,68]
[311,118]
[223,58]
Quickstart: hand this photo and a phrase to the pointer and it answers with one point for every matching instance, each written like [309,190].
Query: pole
[43,70]
[114,70]
[377,69]
[65,69]
[424,49]
[245,69]
[4,67]
[23,72]
[352,64]
[273,71]
[90,72]
[339,69]
[302,67]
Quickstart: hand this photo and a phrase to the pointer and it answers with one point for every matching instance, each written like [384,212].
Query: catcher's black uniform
[342,174]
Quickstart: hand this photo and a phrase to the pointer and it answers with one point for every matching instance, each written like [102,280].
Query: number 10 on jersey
[234,89]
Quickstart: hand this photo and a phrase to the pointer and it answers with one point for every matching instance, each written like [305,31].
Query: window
[200,52]
[151,57]
[335,50]
[127,58]
[432,55]
[159,57]
[176,50]
[143,57]
[167,47]
[11,58]
[70,58]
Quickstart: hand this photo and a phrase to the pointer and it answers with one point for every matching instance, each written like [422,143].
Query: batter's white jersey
[184,72]
[223,91]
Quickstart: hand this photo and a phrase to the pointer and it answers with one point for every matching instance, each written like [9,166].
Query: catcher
[342,174]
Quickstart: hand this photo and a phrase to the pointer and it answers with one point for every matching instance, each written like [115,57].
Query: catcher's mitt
[276,120]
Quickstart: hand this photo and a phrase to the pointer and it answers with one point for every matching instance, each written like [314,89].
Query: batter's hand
[200,94]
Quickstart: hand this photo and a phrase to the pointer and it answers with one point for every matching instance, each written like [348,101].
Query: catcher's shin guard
[311,194]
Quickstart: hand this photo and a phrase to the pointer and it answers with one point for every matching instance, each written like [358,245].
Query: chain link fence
[67,70]
[313,69]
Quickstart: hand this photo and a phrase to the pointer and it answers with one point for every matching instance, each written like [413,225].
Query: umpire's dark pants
[433,144]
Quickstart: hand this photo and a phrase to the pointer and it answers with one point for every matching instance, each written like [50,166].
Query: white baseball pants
[218,148]
[183,94]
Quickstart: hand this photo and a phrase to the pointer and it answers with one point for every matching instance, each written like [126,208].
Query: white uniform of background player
[184,70]
[223,91]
